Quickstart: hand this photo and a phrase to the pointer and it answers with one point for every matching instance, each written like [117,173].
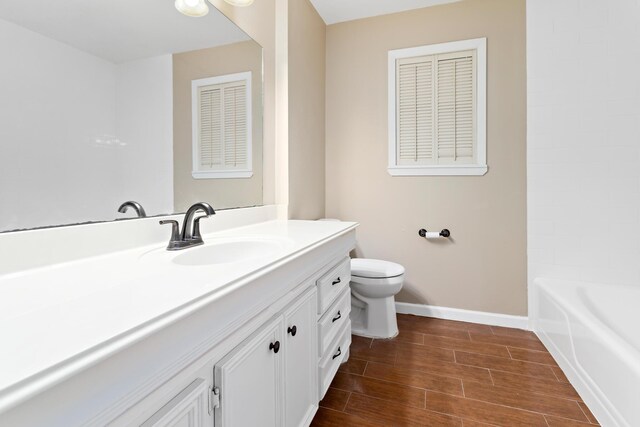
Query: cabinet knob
[335,282]
[338,353]
[339,316]
[275,346]
[293,330]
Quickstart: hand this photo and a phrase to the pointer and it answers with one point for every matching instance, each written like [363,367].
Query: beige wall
[307,32]
[199,64]
[483,267]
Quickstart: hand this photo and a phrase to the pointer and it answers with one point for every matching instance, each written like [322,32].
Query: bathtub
[593,332]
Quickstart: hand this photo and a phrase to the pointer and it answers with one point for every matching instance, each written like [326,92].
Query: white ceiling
[333,11]
[122,30]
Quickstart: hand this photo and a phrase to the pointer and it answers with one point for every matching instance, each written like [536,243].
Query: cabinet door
[250,380]
[301,362]
[187,409]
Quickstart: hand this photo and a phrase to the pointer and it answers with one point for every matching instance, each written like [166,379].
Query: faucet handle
[175,232]
[196,227]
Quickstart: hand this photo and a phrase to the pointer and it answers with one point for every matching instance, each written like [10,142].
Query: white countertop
[59,319]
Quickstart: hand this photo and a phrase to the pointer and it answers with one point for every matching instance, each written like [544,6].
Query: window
[437,109]
[221,110]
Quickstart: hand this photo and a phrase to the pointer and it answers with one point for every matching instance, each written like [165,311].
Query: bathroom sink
[229,251]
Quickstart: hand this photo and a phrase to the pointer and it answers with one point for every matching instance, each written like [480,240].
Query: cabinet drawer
[332,321]
[332,283]
[330,363]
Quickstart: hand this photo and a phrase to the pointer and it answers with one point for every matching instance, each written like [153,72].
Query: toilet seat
[378,281]
[375,268]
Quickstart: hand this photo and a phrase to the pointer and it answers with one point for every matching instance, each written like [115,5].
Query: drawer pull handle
[337,354]
[293,330]
[339,316]
[275,346]
[335,282]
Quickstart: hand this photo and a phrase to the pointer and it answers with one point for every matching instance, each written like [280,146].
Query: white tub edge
[584,386]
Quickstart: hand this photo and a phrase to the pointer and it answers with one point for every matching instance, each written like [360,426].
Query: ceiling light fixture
[240,3]
[194,8]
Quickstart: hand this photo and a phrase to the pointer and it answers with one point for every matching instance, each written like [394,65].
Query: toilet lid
[375,268]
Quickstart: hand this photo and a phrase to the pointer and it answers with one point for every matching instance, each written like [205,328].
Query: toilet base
[373,317]
[363,333]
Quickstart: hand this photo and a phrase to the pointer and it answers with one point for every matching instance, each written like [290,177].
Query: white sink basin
[226,252]
[220,251]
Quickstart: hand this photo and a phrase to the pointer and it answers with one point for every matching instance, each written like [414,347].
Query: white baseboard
[493,319]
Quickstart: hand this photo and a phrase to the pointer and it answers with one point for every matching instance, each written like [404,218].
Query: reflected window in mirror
[221,109]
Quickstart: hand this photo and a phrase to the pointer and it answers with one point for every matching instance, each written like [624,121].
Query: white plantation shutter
[235,126]
[415,111]
[222,127]
[210,129]
[455,111]
[434,124]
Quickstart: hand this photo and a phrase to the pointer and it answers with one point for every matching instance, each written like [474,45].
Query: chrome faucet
[135,205]
[190,235]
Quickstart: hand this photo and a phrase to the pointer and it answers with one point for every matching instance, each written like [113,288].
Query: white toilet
[373,286]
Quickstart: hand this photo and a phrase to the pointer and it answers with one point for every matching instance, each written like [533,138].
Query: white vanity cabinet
[270,379]
[204,351]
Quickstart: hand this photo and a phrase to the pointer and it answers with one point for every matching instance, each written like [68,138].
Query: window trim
[195,125]
[480,166]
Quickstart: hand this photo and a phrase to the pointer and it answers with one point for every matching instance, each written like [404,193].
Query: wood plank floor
[447,373]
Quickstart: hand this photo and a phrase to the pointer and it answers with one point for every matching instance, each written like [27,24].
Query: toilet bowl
[373,286]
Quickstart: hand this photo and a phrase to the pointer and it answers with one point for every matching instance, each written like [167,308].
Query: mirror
[107,101]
